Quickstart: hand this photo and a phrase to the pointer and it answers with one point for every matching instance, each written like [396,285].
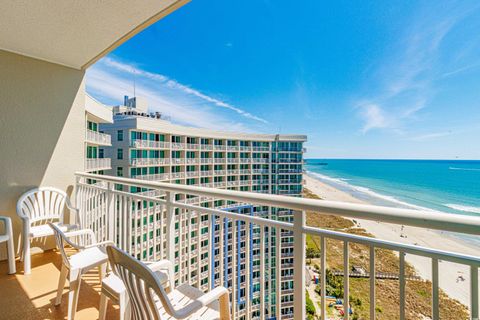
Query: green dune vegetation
[418,292]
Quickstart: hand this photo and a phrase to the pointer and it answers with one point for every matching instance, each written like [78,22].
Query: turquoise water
[442,185]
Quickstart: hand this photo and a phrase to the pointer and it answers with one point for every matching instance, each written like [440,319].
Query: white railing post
[111,211]
[169,197]
[299,263]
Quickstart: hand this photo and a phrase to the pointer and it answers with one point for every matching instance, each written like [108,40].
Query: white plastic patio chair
[8,238]
[37,207]
[75,266]
[150,301]
[113,288]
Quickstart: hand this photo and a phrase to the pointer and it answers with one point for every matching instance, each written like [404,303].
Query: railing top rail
[424,219]
[396,246]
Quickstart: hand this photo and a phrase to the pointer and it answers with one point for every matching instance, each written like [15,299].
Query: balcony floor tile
[32,296]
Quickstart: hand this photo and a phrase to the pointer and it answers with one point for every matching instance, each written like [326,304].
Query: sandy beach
[451,274]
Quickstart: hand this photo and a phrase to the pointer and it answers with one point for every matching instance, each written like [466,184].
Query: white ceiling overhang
[75,33]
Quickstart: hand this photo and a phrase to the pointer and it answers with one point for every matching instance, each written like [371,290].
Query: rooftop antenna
[134,78]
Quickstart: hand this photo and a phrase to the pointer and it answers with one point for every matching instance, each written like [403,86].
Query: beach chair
[36,208]
[149,300]
[75,266]
[7,237]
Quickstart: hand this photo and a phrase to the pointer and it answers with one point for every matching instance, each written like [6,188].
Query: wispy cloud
[404,82]
[373,116]
[431,136]
[176,86]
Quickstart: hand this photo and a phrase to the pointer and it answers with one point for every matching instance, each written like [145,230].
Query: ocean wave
[460,207]
[369,192]
[464,169]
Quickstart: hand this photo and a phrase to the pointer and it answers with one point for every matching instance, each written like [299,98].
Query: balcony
[148,144]
[33,294]
[154,177]
[96,164]
[98,138]
[297,230]
[142,162]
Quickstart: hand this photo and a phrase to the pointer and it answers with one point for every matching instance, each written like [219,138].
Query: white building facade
[95,140]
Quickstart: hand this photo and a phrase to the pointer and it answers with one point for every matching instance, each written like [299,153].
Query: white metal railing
[206,173]
[95,164]
[150,144]
[137,162]
[99,138]
[206,147]
[177,145]
[191,174]
[191,160]
[193,146]
[154,177]
[207,160]
[111,213]
[260,160]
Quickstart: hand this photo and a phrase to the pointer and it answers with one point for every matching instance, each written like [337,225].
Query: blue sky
[363,79]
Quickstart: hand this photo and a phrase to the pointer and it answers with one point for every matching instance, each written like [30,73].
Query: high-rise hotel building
[147,146]
[95,140]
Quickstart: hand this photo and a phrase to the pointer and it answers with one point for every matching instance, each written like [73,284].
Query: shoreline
[450,272]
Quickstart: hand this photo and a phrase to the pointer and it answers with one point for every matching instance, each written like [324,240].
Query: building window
[119,154]
[119,171]
[119,135]
[101,153]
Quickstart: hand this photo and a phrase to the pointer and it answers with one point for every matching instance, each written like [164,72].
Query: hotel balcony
[96,164]
[98,138]
[36,290]
[143,162]
[153,177]
[148,144]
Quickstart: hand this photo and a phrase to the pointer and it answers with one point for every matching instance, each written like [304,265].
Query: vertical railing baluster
[235,271]
[474,310]
[135,227]
[221,245]
[323,275]
[299,264]
[278,278]
[189,245]
[249,280]
[435,291]
[401,279]
[211,225]
[170,222]
[262,272]
[130,225]
[181,257]
[372,282]
[125,223]
[156,207]
[346,281]
[162,226]
[199,248]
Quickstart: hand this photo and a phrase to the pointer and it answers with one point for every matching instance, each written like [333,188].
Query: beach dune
[454,278]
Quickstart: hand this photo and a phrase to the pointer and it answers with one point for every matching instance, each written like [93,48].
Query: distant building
[148,146]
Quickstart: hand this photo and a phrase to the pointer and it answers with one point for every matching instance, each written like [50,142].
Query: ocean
[451,186]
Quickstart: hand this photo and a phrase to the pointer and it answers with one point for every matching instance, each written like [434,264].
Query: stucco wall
[41,128]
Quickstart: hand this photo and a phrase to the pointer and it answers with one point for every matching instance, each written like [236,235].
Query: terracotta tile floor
[32,296]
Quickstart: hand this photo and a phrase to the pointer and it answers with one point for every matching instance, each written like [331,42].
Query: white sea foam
[460,207]
[368,192]
[464,169]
